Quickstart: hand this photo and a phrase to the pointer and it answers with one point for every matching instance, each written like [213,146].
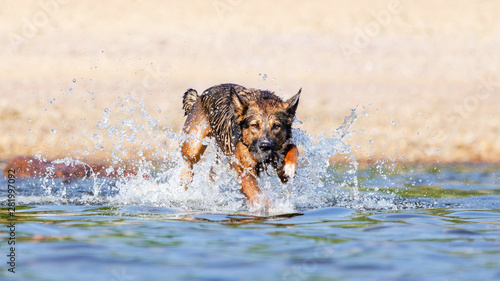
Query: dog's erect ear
[292,103]
[238,105]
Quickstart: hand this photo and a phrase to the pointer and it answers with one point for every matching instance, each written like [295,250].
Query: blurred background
[422,75]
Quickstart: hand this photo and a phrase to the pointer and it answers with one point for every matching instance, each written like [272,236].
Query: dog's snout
[265,145]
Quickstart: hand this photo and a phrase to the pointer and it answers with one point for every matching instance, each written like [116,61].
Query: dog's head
[265,122]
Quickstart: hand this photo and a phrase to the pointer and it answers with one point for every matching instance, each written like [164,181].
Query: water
[448,230]
[386,221]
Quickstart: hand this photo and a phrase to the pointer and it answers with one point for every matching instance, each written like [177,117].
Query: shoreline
[334,161]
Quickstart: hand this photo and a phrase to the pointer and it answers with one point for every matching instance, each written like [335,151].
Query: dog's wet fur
[253,125]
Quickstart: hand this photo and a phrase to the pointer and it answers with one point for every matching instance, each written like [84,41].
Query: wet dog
[253,125]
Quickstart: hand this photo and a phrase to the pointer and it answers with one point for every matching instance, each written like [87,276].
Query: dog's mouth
[263,156]
[263,150]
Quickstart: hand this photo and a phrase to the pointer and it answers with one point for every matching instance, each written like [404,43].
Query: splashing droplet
[264,77]
[74,80]
[70,90]
[53,131]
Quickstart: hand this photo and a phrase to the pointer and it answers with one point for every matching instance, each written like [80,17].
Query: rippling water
[417,223]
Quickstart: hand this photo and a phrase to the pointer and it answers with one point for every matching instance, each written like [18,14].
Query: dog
[253,125]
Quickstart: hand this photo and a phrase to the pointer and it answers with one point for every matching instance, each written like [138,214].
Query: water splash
[312,186]
[136,140]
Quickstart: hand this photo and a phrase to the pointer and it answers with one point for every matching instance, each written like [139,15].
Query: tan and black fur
[253,125]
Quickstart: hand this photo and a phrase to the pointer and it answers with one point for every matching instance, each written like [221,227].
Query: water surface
[417,223]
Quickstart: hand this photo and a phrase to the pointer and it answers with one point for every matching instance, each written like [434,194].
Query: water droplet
[70,90]
[95,136]
[74,80]
[53,131]
[159,110]
[106,110]
[264,77]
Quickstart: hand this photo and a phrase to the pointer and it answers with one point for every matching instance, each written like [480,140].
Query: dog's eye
[276,126]
[255,125]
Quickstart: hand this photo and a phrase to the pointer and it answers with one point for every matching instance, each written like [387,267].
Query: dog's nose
[265,145]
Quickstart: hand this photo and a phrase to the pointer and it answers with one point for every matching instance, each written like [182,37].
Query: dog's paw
[289,170]
[186,178]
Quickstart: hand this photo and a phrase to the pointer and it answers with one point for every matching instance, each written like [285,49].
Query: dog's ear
[292,103]
[239,106]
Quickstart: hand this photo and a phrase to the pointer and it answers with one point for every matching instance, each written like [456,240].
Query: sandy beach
[424,76]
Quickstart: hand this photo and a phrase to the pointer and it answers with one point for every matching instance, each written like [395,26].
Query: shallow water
[401,223]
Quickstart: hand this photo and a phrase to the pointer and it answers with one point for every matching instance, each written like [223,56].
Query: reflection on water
[60,242]
[389,230]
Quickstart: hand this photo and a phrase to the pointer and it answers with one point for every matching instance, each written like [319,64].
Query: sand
[423,75]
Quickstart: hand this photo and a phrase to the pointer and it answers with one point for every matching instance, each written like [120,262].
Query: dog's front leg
[196,128]
[245,166]
[287,169]
[250,188]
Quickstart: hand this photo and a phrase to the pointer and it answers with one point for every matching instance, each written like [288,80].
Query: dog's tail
[188,100]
